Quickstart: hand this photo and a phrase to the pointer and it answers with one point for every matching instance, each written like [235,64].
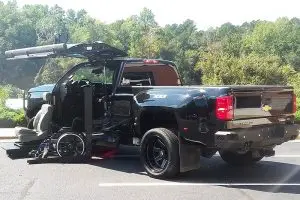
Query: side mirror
[47,96]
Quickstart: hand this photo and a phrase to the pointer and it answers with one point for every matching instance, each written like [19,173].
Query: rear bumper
[255,138]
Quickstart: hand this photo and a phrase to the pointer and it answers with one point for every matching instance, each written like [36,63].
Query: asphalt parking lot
[123,178]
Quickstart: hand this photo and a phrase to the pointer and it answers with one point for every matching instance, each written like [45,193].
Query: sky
[208,13]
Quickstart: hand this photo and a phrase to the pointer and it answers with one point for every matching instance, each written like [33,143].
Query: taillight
[224,108]
[294,103]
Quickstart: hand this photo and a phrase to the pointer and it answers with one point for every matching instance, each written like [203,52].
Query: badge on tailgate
[266,108]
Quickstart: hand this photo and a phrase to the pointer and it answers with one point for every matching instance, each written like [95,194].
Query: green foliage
[224,69]
[87,73]
[11,91]
[54,69]
[275,38]
[257,52]
[15,117]
[297,115]
[143,35]
[3,96]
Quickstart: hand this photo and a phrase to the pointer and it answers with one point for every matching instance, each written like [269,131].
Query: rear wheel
[160,153]
[234,158]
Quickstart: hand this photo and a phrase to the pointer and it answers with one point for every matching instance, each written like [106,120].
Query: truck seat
[40,126]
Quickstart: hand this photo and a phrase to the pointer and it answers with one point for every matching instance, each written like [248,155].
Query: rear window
[138,78]
[139,74]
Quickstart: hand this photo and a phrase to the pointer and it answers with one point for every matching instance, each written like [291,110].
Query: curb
[7,137]
[7,133]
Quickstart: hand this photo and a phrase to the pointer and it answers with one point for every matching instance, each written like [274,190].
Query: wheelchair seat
[41,125]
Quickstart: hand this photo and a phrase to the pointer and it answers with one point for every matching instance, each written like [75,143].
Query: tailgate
[265,104]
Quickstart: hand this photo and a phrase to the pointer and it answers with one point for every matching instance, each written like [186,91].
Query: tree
[54,69]
[144,42]
[223,69]
[182,44]
[51,25]
[256,52]
[16,31]
[281,38]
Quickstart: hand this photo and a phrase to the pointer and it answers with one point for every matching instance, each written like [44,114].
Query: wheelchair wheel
[70,145]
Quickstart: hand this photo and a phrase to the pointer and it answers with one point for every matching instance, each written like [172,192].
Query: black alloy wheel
[156,154]
[160,153]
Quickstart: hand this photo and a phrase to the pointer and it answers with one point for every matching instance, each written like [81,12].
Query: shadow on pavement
[126,160]
[126,165]
[215,171]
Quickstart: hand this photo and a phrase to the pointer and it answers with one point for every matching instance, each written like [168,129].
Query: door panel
[121,106]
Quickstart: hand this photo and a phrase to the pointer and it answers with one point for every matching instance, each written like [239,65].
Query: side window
[88,73]
[138,79]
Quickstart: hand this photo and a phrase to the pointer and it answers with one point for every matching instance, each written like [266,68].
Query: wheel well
[155,119]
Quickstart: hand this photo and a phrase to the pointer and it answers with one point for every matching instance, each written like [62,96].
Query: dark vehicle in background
[34,98]
[173,124]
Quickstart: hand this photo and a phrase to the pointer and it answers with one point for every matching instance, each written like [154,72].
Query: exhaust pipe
[267,152]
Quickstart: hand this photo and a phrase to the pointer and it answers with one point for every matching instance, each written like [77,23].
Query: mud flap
[189,156]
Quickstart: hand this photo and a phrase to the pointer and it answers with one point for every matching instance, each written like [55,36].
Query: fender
[183,104]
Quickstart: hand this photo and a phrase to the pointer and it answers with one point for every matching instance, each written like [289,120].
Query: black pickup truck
[174,125]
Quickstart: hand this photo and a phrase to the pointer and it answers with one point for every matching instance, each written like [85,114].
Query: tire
[160,153]
[236,159]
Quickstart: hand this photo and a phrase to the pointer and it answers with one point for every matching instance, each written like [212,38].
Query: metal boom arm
[39,51]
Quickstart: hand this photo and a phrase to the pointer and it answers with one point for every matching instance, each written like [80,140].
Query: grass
[10,118]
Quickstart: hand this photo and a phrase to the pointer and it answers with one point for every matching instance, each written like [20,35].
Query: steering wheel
[69,82]
[84,81]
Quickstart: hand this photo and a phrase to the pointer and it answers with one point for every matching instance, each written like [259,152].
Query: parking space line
[128,184]
[276,156]
[217,155]
[286,156]
[294,141]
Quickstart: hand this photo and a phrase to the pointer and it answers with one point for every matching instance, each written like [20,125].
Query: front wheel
[160,153]
[237,159]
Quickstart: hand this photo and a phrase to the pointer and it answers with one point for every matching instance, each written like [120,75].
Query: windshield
[99,72]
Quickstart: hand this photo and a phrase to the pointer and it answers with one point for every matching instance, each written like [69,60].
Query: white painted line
[285,156]
[217,155]
[117,156]
[294,141]
[155,184]
[7,140]
[127,156]
[275,156]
